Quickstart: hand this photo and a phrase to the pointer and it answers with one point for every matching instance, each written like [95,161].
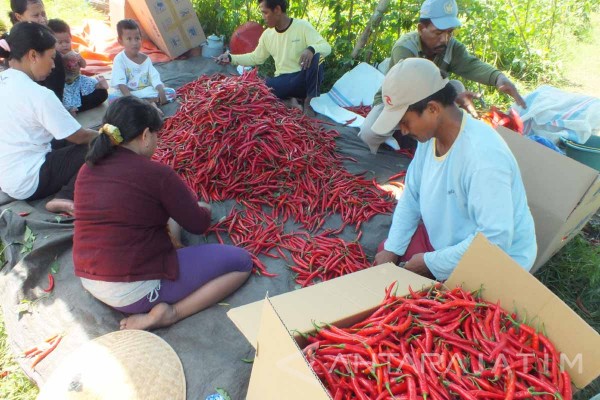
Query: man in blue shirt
[462,181]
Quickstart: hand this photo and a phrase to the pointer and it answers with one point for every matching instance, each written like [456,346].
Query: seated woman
[34,11]
[31,117]
[122,250]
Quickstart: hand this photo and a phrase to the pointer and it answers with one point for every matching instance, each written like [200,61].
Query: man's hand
[417,265]
[465,101]
[506,86]
[385,256]
[306,58]
[223,58]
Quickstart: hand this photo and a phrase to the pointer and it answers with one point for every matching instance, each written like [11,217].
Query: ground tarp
[208,344]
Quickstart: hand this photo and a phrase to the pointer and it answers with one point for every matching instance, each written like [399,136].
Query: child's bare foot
[308,110]
[160,316]
[60,206]
[102,83]
[73,112]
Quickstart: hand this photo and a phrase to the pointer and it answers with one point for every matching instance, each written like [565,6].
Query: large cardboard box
[562,193]
[172,25]
[118,10]
[281,372]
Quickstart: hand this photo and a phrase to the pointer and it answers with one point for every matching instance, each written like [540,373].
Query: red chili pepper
[510,385]
[50,286]
[567,393]
[44,353]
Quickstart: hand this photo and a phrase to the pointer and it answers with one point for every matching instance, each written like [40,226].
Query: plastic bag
[553,113]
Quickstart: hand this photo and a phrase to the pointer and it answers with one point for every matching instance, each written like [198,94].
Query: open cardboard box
[281,372]
[563,194]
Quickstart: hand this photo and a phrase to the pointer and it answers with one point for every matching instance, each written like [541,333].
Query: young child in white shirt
[76,85]
[133,72]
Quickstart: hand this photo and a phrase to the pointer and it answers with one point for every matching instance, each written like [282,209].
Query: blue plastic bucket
[587,153]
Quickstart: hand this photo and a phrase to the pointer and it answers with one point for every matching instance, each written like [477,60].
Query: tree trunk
[372,24]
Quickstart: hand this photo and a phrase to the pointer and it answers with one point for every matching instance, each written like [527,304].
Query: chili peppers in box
[440,344]
[485,351]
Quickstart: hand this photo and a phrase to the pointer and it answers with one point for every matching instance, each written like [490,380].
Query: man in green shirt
[434,41]
[297,49]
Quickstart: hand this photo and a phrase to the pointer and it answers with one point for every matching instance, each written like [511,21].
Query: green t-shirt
[457,60]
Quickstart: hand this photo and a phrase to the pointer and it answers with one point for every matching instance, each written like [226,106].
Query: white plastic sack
[553,114]
[355,88]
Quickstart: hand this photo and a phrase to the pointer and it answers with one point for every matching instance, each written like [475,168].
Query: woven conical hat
[129,364]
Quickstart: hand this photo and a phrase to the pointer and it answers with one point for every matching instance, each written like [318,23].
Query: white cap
[407,83]
[442,13]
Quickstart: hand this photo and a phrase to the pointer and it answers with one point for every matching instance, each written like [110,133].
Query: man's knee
[367,135]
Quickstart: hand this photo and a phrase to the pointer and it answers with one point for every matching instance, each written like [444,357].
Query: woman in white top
[31,117]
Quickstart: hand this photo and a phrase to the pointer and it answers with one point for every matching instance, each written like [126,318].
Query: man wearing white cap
[433,40]
[462,181]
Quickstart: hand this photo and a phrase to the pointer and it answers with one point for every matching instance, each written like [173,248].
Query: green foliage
[523,38]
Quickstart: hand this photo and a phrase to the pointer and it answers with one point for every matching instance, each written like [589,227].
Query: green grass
[574,275]
[16,385]
[72,12]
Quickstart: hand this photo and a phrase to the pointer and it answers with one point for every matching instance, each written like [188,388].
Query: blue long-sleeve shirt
[475,187]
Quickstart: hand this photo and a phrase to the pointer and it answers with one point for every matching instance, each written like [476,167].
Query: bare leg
[61,205]
[163,314]
[308,110]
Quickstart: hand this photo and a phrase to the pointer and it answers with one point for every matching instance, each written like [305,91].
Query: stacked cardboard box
[171,24]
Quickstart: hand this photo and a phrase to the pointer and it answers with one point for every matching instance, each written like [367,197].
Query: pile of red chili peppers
[233,139]
[438,344]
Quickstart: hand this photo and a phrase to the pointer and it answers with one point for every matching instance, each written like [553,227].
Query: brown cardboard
[172,25]
[562,193]
[328,301]
[280,372]
[118,10]
[486,265]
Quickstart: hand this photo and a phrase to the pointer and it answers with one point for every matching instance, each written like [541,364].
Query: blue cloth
[475,187]
[548,143]
[81,86]
[305,83]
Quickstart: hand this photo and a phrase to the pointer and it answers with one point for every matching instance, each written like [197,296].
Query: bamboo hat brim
[128,364]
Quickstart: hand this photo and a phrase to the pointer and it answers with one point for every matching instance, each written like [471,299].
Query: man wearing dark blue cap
[434,41]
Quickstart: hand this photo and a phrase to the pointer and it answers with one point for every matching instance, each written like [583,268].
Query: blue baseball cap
[442,13]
